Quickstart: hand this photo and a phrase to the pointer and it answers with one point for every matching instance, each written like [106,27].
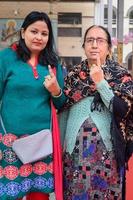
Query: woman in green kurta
[26,86]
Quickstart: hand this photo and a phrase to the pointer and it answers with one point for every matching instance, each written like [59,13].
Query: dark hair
[104,29]
[47,55]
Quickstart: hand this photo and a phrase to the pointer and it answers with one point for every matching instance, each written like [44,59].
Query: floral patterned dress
[90,172]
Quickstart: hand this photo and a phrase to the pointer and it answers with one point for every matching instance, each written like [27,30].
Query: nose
[39,36]
[94,44]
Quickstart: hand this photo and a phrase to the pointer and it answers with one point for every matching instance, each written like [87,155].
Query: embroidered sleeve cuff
[58,95]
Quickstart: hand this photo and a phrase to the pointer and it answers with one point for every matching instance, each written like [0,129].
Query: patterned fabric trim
[12,172]
[17,179]
[13,188]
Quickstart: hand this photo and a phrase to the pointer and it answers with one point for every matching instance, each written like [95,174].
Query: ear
[22,33]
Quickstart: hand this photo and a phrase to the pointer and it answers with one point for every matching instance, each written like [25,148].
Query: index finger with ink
[50,71]
[98,61]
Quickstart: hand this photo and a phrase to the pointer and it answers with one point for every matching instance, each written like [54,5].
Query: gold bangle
[56,96]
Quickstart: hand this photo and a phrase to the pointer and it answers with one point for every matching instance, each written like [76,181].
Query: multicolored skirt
[90,172]
[16,179]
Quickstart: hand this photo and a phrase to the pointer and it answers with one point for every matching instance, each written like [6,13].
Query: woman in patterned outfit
[25,107]
[100,91]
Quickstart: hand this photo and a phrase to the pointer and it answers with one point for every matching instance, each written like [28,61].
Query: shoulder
[7,52]
[8,58]
[115,65]
[116,69]
[74,71]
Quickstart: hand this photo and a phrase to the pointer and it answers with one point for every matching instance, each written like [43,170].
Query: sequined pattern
[90,172]
[17,179]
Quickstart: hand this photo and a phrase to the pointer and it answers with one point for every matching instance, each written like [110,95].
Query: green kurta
[25,109]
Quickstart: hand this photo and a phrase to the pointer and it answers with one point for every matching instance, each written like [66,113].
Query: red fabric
[57,161]
[14,46]
[129,180]
[57,156]
[37,196]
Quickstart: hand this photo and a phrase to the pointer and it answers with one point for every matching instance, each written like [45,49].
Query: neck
[91,62]
[33,59]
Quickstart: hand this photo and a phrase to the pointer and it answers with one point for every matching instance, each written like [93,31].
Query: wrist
[57,94]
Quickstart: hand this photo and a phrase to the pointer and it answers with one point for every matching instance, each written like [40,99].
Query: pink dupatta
[57,154]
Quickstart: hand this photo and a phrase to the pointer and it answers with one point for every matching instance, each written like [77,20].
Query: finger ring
[48,77]
[93,65]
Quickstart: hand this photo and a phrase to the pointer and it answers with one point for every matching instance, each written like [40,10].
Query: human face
[96,45]
[36,36]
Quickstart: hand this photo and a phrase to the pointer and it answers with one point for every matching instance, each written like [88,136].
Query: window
[130,62]
[114,32]
[106,15]
[69,32]
[70,61]
[131,17]
[130,30]
[69,18]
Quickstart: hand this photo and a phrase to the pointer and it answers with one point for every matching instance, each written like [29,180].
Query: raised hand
[51,83]
[96,71]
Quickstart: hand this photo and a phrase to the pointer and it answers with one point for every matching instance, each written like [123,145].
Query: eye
[100,40]
[89,40]
[33,31]
[45,34]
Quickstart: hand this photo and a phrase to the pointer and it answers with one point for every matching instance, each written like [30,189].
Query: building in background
[127,27]
[70,19]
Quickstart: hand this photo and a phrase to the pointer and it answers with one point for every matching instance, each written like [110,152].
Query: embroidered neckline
[34,69]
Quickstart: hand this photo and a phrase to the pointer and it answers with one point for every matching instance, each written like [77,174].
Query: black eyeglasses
[99,41]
